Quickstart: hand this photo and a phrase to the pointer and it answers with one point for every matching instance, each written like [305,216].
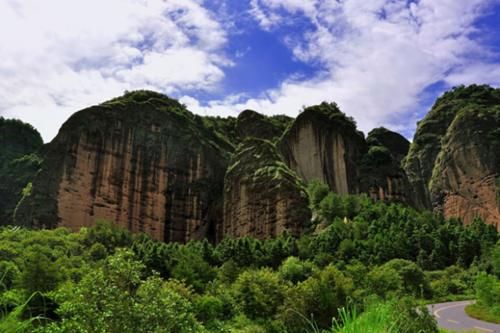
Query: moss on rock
[263,196]
[427,142]
[139,130]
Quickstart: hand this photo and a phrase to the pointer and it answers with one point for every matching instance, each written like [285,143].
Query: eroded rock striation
[147,164]
[142,161]
[323,144]
[453,163]
[466,176]
[262,196]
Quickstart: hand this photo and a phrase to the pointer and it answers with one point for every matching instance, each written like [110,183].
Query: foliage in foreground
[359,255]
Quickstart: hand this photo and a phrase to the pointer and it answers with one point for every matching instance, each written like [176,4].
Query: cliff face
[19,162]
[147,164]
[382,176]
[426,144]
[465,178]
[323,144]
[142,161]
[262,197]
[453,160]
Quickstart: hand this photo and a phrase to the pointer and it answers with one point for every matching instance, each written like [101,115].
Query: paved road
[452,316]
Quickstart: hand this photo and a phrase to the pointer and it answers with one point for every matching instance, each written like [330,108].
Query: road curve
[452,316]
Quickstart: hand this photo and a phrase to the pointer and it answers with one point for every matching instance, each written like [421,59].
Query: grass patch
[482,313]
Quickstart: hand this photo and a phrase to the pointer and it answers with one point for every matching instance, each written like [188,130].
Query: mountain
[262,196]
[454,161]
[145,162]
[142,161]
[382,175]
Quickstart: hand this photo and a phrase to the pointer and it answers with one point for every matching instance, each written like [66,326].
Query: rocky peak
[256,125]
[323,144]
[262,197]
[382,176]
[466,173]
[397,144]
[426,143]
[141,160]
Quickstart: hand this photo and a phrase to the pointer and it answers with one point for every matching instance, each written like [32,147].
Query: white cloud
[475,73]
[57,56]
[378,56]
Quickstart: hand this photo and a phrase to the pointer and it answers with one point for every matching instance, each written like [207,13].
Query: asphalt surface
[452,316]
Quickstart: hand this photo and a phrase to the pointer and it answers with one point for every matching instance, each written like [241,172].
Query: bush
[318,298]
[259,293]
[295,270]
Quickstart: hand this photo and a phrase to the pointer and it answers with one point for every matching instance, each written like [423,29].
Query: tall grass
[376,319]
[12,322]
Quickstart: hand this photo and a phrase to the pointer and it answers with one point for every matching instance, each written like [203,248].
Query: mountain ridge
[145,162]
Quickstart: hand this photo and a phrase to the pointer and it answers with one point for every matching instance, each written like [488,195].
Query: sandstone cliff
[382,176]
[141,161]
[465,178]
[453,160]
[146,163]
[262,197]
[323,144]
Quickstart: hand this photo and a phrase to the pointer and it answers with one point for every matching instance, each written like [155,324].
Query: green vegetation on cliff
[144,124]
[328,115]
[258,161]
[256,125]
[262,195]
[427,142]
[19,162]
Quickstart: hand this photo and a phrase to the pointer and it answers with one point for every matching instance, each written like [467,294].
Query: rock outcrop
[453,161]
[255,125]
[147,164]
[323,144]
[382,176]
[465,178]
[142,161]
[263,198]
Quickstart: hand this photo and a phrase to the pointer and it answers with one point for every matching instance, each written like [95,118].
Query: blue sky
[383,61]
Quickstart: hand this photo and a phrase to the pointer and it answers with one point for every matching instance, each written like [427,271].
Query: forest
[361,266]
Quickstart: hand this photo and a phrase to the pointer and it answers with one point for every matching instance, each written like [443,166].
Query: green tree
[259,293]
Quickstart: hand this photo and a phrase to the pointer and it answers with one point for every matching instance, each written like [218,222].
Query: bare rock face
[382,176]
[426,145]
[323,144]
[141,161]
[263,198]
[466,176]
[453,163]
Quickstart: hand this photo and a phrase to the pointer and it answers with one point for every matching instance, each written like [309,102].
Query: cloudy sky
[383,61]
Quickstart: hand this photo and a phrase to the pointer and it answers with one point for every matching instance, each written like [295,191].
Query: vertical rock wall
[263,198]
[323,144]
[464,180]
[148,167]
